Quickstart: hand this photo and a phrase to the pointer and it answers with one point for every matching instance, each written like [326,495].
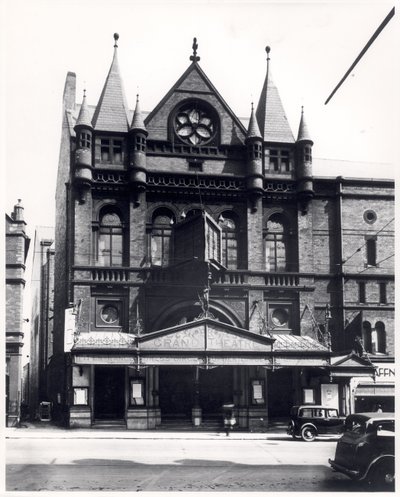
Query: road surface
[167,464]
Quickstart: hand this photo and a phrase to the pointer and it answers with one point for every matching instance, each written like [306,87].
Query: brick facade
[269,254]
[17,246]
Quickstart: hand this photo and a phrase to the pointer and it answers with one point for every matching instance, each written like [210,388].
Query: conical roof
[253,130]
[270,113]
[137,120]
[111,113]
[303,134]
[84,117]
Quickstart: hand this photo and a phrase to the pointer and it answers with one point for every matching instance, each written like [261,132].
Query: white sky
[312,46]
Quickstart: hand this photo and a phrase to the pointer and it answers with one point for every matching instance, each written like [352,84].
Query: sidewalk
[48,430]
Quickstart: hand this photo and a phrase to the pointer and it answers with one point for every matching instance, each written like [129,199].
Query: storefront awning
[375,390]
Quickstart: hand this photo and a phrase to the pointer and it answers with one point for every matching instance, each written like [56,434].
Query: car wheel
[308,433]
[383,476]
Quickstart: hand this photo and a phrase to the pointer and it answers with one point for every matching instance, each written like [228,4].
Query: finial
[302,109]
[84,93]
[267,49]
[137,97]
[194,57]
[116,38]
[252,106]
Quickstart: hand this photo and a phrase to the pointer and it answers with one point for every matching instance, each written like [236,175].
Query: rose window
[194,125]
[280,317]
[109,314]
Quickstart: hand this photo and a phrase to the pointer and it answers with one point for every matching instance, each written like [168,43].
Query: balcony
[193,271]
[282,279]
[243,277]
[112,275]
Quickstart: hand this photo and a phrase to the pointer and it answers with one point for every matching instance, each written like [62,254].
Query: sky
[312,46]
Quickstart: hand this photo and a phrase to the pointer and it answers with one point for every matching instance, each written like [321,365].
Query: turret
[254,177]
[83,155]
[304,175]
[137,152]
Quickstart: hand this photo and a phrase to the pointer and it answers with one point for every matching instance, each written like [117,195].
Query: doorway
[109,393]
[216,389]
[176,385]
[280,393]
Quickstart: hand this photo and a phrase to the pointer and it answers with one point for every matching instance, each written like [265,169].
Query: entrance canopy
[206,343]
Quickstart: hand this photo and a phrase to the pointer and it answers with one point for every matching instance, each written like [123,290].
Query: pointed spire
[137,120]
[111,113]
[84,118]
[303,134]
[270,113]
[253,129]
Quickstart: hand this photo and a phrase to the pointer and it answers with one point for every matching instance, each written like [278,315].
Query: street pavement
[47,458]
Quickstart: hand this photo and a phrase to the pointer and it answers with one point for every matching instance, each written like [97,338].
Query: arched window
[230,246]
[380,345]
[276,244]
[193,212]
[367,336]
[110,239]
[161,239]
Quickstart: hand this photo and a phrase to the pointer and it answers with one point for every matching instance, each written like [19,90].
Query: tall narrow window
[382,293]
[110,240]
[361,292]
[367,336]
[380,345]
[161,240]
[229,226]
[371,251]
[276,244]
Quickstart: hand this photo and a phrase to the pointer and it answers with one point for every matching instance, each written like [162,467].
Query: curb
[79,433]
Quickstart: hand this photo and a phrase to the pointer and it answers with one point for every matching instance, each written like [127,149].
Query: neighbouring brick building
[42,310]
[199,263]
[16,246]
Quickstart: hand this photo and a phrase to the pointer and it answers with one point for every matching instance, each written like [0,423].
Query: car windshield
[308,412]
[355,425]
[385,426]
[332,413]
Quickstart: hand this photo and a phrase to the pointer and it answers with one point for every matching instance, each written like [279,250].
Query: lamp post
[328,317]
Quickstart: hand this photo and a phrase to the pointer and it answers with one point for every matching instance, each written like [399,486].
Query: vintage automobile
[365,452]
[311,421]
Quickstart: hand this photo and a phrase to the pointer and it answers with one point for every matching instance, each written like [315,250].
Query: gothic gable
[351,365]
[195,86]
[206,335]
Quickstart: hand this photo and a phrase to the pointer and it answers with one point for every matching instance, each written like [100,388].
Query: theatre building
[199,263]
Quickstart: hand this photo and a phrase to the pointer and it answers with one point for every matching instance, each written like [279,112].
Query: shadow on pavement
[184,474]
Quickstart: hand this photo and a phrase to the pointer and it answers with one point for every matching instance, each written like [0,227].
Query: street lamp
[328,317]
